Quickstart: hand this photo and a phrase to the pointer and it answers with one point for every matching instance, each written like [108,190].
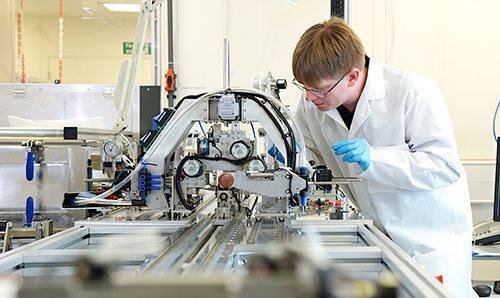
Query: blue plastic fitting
[142,177]
[142,182]
[29,211]
[30,167]
[155,188]
[303,200]
[155,176]
[155,182]
[142,188]
[154,125]
[303,171]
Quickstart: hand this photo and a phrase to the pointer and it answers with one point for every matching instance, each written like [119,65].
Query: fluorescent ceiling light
[122,7]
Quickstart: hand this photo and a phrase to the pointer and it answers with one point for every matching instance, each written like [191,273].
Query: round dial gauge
[239,150]
[112,149]
[192,168]
[256,165]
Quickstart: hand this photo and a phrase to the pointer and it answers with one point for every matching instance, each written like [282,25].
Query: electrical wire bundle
[179,174]
[288,139]
[290,145]
[262,99]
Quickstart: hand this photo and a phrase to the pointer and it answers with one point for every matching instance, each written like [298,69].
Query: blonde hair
[327,50]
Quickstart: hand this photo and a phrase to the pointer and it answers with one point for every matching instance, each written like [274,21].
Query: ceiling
[75,8]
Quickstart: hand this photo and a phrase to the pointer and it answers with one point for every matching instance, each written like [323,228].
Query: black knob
[482,290]
[281,83]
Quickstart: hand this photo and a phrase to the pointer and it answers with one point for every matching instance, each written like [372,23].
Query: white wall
[481,178]
[7,50]
[454,42]
[262,35]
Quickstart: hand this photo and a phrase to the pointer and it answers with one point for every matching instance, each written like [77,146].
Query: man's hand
[355,150]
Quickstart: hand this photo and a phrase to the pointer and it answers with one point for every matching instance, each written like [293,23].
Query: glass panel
[95,41]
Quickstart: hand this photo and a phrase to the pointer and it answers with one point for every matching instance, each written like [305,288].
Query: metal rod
[156,55]
[98,180]
[52,142]
[226,64]
[345,180]
[170,27]
[30,132]
[260,175]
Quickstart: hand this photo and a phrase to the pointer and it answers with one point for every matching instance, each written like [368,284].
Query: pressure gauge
[240,150]
[255,165]
[112,148]
[192,168]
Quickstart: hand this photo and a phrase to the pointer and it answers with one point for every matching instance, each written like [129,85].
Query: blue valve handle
[29,212]
[30,167]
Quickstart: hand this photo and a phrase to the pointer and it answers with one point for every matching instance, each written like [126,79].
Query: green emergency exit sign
[127,48]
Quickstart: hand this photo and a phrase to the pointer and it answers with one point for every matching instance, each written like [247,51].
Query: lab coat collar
[374,89]
[375,82]
[334,114]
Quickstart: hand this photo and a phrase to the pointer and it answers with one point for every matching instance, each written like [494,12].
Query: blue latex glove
[355,150]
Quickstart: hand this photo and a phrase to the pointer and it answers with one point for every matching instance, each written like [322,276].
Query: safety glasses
[318,93]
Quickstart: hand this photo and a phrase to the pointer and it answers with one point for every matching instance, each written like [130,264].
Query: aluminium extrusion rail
[412,277]
[221,249]
[87,239]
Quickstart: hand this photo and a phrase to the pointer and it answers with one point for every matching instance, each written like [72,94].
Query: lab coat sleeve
[429,158]
[301,116]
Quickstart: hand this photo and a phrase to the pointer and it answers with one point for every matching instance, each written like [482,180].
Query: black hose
[188,97]
[178,184]
[291,154]
[200,157]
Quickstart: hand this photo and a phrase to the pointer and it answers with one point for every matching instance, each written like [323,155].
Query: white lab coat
[416,187]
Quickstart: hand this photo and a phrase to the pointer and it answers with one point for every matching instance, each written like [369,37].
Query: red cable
[20,52]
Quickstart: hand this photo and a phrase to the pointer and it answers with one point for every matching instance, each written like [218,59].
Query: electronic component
[228,107]
[192,168]
[240,150]
[323,174]
[256,165]
[113,148]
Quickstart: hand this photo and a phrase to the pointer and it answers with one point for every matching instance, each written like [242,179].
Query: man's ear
[353,77]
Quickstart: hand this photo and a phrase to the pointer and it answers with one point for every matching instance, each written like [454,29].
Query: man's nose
[310,96]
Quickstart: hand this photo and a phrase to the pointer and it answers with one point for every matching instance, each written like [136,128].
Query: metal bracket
[44,229]
[36,146]
[7,238]
[19,92]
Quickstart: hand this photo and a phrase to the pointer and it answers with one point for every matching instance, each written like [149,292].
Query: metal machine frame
[207,248]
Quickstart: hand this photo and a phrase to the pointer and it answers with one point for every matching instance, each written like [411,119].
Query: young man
[391,128]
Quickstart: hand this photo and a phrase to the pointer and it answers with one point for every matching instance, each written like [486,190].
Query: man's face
[334,97]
